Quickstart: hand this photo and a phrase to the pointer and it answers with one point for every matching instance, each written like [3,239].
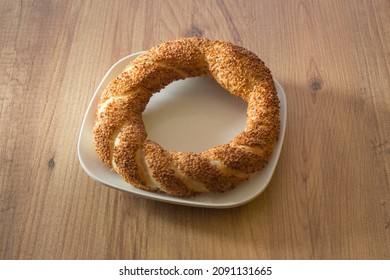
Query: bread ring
[121,140]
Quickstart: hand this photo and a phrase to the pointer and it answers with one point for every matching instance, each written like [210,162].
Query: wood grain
[329,197]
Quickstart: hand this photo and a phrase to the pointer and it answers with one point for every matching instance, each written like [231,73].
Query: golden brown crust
[121,140]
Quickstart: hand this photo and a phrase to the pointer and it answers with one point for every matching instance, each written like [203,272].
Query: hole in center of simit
[194,115]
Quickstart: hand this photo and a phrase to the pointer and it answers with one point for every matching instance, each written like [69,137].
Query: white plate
[189,115]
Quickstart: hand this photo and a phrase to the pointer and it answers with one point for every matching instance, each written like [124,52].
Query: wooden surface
[329,197]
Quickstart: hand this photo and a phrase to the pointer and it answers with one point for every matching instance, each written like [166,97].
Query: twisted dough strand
[121,141]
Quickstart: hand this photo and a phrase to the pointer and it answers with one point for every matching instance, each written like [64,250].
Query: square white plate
[189,115]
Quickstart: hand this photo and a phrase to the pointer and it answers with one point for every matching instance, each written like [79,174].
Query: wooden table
[329,197]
